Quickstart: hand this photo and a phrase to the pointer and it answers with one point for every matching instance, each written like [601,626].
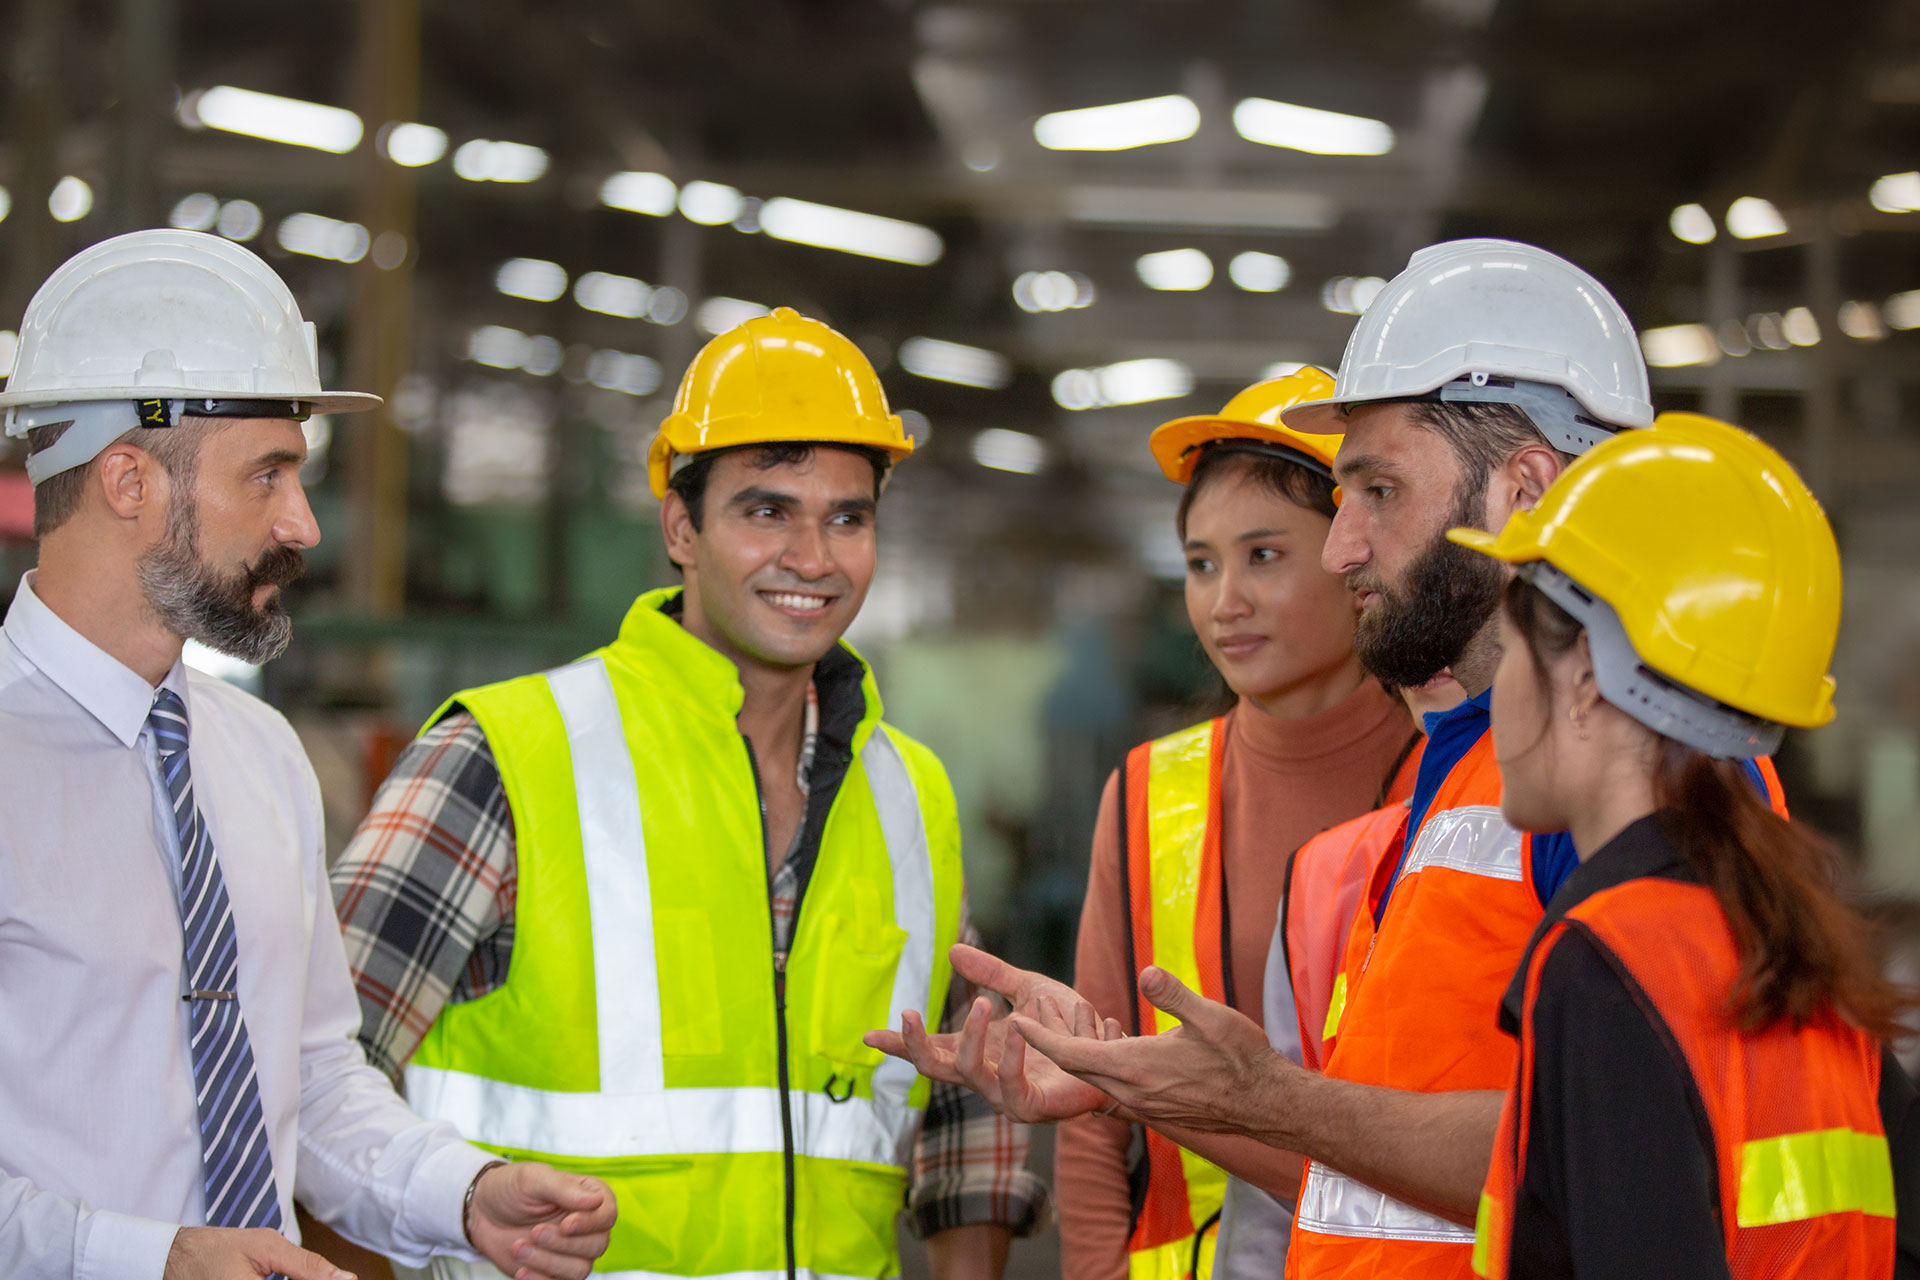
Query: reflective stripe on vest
[453,1269]
[1472,838]
[1333,1204]
[1171,790]
[1808,1175]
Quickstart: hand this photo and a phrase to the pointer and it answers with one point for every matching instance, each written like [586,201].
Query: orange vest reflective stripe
[1325,885]
[1170,814]
[1805,1179]
[1421,1003]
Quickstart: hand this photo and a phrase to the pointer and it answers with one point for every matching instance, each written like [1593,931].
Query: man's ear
[129,479]
[1519,482]
[676,529]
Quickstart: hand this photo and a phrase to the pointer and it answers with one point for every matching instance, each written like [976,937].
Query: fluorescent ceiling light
[414,145]
[623,371]
[1325,133]
[1182,270]
[955,362]
[1038,291]
[1692,223]
[636,192]
[613,295]
[544,356]
[1119,126]
[71,200]
[535,279]
[197,212]
[1799,327]
[1766,329]
[6,203]
[717,315]
[1678,345]
[497,346]
[1249,210]
[240,220]
[869,234]
[1861,321]
[1350,295]
[1281,369]
[1259,272]
[276,119]
[667,306]
[1005,450]
[1896,193]
[1750,218]
[321,237]
[1902,310]
[1129,382]
[709,203]
[484,160]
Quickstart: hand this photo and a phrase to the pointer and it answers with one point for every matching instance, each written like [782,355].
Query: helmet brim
[320,402]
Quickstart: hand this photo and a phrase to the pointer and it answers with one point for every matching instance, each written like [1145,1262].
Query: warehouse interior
[519,222]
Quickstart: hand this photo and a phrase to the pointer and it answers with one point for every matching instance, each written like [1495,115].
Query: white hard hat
[1495,321]
[143,327]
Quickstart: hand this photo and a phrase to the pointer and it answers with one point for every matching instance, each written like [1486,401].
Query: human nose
[1346,546]
[296,526]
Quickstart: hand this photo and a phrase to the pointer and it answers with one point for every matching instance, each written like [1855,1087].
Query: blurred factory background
[1052,224]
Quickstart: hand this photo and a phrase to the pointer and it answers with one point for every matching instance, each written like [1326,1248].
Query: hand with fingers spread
[984,1057]
[1215,1072]
[535,1222]
[243,1253]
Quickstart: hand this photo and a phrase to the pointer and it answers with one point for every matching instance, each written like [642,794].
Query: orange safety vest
[1173,883]
[1805,1178]
[1326,880]
[1421,1014]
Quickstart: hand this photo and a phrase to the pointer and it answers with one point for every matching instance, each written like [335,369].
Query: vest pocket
[690,1024]
[854,992]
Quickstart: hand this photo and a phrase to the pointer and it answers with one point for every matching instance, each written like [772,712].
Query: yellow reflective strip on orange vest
[1483,1227]
[1335,1007]
[1177,807]
[1171,1261]
[1808,1175]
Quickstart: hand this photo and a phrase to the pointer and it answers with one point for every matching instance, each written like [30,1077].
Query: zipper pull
[780,981]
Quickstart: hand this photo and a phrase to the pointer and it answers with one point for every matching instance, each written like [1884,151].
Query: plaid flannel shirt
[425,892]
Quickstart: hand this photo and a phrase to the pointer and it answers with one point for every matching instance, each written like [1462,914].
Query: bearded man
[177,1023]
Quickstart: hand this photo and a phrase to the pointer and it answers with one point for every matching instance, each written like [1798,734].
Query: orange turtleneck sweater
[1281,782]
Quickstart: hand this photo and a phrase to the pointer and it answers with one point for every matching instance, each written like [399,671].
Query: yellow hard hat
[1715,557]
[1254,414]
[775,379]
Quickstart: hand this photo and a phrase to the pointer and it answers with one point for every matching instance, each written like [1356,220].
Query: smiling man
[643,907]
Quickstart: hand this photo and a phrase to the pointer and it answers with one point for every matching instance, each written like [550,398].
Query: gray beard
[195,601]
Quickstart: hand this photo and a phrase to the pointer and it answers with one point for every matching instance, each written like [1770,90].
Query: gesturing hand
[536,1223]
[237,1253]
[983,1057]
[1215,1072]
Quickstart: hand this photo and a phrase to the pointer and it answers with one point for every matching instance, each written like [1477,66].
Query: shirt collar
[106,688]
[1479,706]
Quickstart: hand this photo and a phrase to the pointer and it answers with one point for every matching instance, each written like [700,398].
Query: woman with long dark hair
[1701,1019]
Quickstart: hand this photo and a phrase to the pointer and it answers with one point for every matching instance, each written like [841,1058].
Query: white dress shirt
[99,1135]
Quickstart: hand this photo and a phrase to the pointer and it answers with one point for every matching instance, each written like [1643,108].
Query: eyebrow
[755,496]
[278,458]
[1343,468]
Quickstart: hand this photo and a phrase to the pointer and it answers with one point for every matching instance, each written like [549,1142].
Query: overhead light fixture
[1005,450]
[1678,345]
[6,203]
[826,227]
[1129,382]
[1751,218]
[1040,291]
[711,204]
[413,145]
[273,118]
[1237,208]
[1258,272]
[497,346]
[1799,327]
[1896,193]
[1861,321]
[485,160]
[1119,126]
[239,220]
[70,200]
[623,371]
[1692,223]
[613,295]
[1902,310]
[1350,295]
[1323,133]
[318,236]
[638,192]
[717,315]
[1767,330]
[668,306]
[1176,270]
[955,362]
[534,279]
[197,212]
[1281,369]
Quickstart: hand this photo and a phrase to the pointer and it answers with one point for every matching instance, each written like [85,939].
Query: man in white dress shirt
[177,1052]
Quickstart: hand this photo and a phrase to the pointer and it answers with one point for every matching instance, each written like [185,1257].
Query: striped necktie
[236,1162]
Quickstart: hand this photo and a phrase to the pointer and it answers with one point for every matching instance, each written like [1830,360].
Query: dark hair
[1802,949]
[57,498]
[690,482]
[1483,437]
[1271,471]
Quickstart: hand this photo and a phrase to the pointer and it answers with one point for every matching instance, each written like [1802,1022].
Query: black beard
[1415,631]
[199,602]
